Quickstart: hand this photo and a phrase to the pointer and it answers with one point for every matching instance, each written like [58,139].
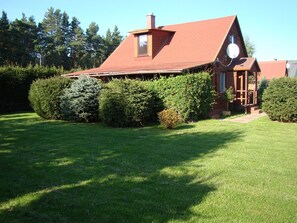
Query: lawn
[209,171]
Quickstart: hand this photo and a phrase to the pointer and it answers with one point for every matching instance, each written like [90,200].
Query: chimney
[150,21]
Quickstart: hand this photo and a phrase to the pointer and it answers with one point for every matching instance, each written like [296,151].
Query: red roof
[273,69]
[193,44]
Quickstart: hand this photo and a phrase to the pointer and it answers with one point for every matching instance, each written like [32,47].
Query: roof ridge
[198,21]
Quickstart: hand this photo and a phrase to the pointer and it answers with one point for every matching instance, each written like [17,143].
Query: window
[142,44]
[222,82]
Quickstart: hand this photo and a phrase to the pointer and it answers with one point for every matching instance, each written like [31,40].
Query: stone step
[255,110]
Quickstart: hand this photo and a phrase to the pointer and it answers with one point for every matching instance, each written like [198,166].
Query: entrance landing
[246,118]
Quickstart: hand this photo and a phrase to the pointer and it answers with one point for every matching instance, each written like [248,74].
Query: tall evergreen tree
[94,54]
[53,41]
[24,38]
[111,41]
[76,43]
[4,39]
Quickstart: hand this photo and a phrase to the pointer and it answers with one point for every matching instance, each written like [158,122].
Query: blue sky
[270,25]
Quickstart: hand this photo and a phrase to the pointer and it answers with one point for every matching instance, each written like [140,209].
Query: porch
[245,72]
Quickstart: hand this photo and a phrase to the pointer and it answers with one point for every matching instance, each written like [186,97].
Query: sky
[270,25]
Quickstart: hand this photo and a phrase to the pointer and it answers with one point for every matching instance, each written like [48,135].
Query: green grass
[210,171]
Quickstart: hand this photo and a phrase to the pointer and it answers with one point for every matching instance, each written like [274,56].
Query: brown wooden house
[185,48]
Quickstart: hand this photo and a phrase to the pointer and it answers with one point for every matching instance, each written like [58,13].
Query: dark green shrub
[127,103]
[15,83]
[280,99]
[169,118]
[112,107]
[44,96]
[262,86]
[192,95]
[80,101]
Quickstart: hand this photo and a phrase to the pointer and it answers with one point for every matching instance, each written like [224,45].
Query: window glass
[222,82]
[142,44]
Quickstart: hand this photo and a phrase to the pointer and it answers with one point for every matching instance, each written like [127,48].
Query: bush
[44,96]
[80,101]
[262,87]
[192,95]
[280,99]
[15,84]
[169,118]
[127,103]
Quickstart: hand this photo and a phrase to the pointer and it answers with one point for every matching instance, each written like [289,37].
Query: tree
[250,46]
[76,43]
[24,38]
[4,39]
[94,53]
[53,33]
[111,41]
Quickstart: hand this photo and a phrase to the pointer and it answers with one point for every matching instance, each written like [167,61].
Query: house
[215,45]
[273,69]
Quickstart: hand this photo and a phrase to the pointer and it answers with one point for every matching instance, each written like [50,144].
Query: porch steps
[255,110]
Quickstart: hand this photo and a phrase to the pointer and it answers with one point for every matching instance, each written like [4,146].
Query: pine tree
[23,37]
[4,39]
[111,41]
[76,43]
[93,55]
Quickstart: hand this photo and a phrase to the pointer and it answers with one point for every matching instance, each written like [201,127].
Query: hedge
[191,95]
[15,84]
[127,102]
[280,99]
[45,96]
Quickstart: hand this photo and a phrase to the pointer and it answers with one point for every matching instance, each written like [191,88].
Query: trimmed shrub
[262,87]
[169,118]
[80,101]
[192,95]
[15,84]
[44,96]
[280,99]
[127,103]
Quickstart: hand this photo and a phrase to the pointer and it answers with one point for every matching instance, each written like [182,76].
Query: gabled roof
[244,64]
[273,69]
[192,45]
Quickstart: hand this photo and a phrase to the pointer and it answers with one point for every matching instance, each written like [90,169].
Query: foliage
[192,95]
[15,84]
[261,88]
[45,94]
[280,99]
[169,118]
[250,46]
[80,101]
[127,103]
[56,41]
[229,96]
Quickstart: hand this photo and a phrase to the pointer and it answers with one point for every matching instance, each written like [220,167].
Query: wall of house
[159,40]
[231,77]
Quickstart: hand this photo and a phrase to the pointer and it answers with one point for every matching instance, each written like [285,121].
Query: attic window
[142,44]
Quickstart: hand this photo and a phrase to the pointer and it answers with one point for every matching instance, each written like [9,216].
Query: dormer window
[142,45]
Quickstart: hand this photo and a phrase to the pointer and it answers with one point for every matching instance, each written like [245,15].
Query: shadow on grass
[63,172]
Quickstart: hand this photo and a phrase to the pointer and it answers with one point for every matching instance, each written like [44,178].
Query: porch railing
[252,97]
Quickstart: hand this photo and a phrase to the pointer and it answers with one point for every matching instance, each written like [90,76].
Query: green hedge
[127,103]
[280,99]
[15,84]
[191,95]
[45,96]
